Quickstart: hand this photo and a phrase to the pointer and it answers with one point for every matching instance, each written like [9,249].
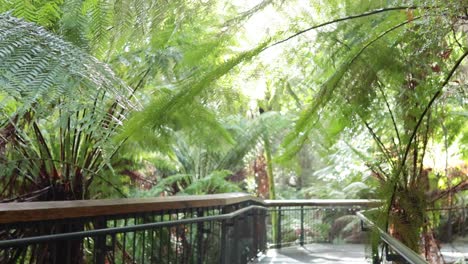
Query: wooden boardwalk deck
[347,253]
[317,253]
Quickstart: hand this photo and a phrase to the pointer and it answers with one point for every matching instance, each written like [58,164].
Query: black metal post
[226,234]
[235,254]
[100,247]
[256,233]
[302,227]
[278,228]
[264,230]
[200,232]
[224,242]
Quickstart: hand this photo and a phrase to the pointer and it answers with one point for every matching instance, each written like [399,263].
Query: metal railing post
[200,232]
[247,233]
[301,242]
[100,247]
[255,233]
[264,231]
[226,253]
[226,235]
[235,253]
[278,228]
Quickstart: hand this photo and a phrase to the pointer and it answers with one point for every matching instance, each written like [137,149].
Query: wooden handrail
[40,211]
[123,229]
[325,202]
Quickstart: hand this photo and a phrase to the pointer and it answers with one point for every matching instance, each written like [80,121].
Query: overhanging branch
[370,13]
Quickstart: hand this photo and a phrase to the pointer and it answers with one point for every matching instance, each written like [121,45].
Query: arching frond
[158,110]
[61,107]
[38,68]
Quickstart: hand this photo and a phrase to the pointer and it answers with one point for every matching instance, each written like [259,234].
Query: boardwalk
[317,253]
[348,253]
[456,251]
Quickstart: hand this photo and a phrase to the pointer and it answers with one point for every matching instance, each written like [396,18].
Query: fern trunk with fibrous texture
[261,176]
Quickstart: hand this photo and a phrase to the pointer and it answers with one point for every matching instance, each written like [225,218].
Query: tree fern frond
[214,183]
[309,117]
[73,24]
[99,14]
[49,13]
[157,111]
[64,106]
[24,9]
[165,185]
[249,135]
[32,57]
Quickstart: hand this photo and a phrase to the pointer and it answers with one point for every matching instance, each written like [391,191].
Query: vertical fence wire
[303,224]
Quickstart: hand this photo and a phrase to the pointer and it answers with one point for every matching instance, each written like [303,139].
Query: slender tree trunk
[271,183]
[271,188]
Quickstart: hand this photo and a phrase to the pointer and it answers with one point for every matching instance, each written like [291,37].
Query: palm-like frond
[60,106]
[160,108]
[38,67]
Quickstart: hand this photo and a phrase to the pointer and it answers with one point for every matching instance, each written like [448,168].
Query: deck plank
[317,253]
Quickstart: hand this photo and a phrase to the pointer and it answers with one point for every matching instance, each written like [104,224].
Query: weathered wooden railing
[227,228]
[224,228]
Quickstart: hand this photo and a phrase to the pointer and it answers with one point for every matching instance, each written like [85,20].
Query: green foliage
[60,106]
[393,65]
[199,167]
[70,125]
[160,108]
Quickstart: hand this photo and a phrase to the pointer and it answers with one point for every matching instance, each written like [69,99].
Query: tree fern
[67,105]
[215,182]
[386,86]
